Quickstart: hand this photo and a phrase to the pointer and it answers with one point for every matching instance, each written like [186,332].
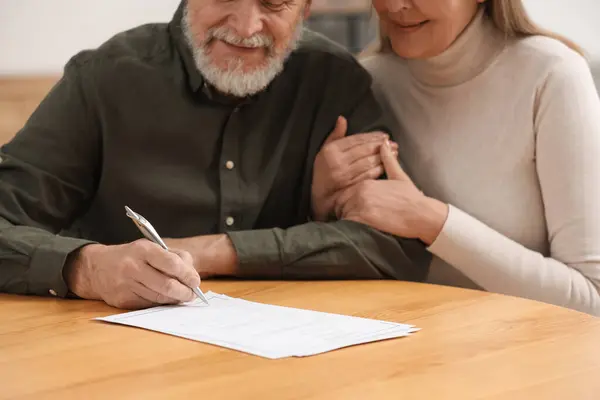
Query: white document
[261,329]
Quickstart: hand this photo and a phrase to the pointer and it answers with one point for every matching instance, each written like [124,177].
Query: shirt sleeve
[44,184]
[337,249]
[567,124]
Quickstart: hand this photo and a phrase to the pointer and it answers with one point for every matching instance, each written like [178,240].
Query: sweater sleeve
[567,124]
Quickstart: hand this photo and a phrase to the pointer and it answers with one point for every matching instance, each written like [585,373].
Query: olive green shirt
[133,123]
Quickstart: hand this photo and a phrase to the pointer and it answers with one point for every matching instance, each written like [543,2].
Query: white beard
[235,79]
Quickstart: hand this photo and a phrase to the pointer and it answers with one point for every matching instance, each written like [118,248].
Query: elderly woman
[498,124]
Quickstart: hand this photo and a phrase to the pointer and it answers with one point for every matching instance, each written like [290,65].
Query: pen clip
[146,228]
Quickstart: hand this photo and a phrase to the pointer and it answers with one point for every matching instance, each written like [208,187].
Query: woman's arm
[567,124]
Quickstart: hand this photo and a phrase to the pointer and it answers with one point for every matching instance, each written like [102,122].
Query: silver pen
[150,233]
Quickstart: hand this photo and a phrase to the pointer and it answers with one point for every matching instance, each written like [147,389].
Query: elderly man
[208,126]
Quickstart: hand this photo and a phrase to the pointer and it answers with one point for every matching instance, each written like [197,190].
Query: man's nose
[247,19]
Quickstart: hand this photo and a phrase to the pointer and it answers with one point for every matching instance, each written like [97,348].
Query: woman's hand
[395,206]
[342,162]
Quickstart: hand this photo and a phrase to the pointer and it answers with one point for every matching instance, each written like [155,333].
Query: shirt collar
[195,78]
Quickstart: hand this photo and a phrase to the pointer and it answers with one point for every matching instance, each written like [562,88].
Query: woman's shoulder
[375,61]
[380,65]
[388,73]
[546,56]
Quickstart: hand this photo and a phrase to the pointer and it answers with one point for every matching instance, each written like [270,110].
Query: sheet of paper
[261,329]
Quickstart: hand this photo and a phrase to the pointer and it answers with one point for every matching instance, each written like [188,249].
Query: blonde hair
[509,16]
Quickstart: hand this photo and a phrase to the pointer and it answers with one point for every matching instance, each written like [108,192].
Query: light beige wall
[596,73]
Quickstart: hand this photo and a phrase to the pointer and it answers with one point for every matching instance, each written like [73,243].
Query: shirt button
[52,292]
[229,165]
[229,221]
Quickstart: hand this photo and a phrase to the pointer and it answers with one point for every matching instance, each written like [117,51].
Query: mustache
[227,35]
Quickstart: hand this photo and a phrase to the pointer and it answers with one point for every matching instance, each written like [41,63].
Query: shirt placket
[231,191]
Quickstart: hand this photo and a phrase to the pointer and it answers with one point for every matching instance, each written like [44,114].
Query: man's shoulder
[149,43]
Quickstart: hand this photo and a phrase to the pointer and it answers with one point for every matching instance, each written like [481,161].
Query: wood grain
[473,345]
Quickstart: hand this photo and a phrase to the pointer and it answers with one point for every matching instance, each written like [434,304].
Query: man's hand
[131,276]
[213,255]
[343,162]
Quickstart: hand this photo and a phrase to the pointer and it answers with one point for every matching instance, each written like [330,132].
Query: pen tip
[129,212]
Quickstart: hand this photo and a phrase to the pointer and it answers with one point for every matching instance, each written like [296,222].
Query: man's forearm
[336,250]
[214,255]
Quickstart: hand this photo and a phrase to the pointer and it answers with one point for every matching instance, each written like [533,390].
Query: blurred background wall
[39,36]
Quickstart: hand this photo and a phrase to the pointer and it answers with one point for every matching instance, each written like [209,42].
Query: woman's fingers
[370,174]
[391,165]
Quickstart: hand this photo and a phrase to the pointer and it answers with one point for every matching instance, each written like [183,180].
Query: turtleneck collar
[470,54]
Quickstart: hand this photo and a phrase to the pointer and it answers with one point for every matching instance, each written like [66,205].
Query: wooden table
[473,345]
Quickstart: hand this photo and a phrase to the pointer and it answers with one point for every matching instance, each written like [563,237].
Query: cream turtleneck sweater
[508,134]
